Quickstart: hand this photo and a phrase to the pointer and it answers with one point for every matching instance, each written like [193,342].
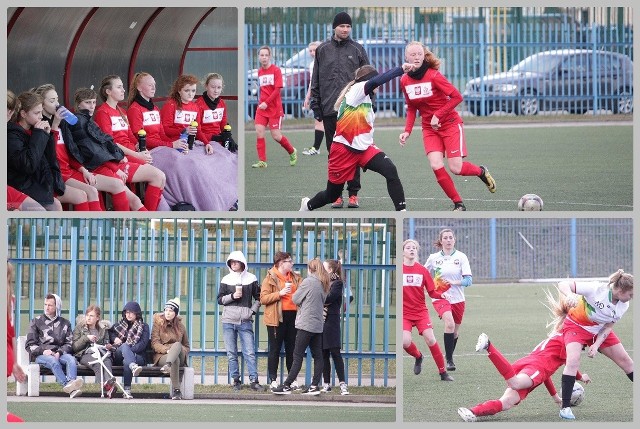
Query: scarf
[144,103]
[129,335]
[419,72]
[213,104]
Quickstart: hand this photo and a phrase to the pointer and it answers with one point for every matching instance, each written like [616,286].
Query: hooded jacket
[46,333]
[140,347]
[32,165]
[81,341]
[239,310]
[96,147]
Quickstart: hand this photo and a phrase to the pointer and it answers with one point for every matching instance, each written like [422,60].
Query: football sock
[500,362]
[413,350]
[437,357]
[469,169]
[455,343]
[152,197]
[487,408]
[82,207]
[143,209]
[284,142]
[95,206]
[120,202]
[261,147]
[567,389]
[446,183]
[448,345]
[319,136]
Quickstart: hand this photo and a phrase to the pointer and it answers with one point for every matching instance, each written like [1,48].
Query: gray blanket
[209,182]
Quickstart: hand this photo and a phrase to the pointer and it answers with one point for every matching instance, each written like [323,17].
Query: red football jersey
[270,81]
[416,279]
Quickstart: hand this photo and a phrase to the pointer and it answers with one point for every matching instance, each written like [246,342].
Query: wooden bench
[31,387]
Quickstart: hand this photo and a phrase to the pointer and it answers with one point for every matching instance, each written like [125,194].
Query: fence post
[73,276]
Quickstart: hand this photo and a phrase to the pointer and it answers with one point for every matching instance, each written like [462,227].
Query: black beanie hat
[341,18]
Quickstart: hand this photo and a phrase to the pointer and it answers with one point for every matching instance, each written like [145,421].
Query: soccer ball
[530,202]
[577,394]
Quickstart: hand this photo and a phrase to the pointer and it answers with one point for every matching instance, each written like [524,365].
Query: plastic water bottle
[183,136]
[142,140]
[191,138]
[67,115]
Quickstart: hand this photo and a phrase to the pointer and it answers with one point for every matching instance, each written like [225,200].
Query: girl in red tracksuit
[180,110]
[113,120]
[430,93]
[213,109]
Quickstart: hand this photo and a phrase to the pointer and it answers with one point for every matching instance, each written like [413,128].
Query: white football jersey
[448,268]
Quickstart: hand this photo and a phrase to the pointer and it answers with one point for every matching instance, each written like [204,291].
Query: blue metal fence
[108,262]
[470,46]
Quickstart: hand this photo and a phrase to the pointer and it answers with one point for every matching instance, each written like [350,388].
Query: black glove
[317,114]
[225,138]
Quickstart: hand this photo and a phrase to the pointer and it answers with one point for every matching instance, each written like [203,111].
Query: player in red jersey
[430,93]
[415,281]
[112,119]
[213,109]
[523,376]
[269,111]
[12,365]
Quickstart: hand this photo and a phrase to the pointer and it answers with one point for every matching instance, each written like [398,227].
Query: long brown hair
[438,242]
[96,310]
[181,82]
[359,73]
[621,280]
[336,268]
[107,83]
[315,266]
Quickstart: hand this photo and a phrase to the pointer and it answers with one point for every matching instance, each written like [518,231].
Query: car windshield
[300,60]
[539,63]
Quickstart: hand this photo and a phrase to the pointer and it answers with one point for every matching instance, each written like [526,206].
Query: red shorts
[274,122]
[14,198]
[421,323]
[106,171]
[457,309]
[528,365]
[73,174]
[572,333]
[449,140]
[343,162]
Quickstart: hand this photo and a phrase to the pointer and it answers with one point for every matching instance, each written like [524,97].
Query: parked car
[576,80]
[296,76]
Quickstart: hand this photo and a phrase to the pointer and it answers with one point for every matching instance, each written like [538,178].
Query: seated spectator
[100,154]
[32,167]
[130,338]
[12,365]
[170,343]
[49,343]
[112,119]
[89,331]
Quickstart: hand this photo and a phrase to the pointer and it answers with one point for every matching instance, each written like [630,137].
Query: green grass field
[584,167]
[514,318]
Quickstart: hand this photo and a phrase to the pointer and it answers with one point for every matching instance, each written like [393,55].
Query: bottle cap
[194,124]
[227,127]
[142,133]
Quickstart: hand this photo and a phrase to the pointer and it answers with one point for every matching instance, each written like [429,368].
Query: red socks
[469,169]
[261,147]
[152,195]
[95,206]
[82,207]
[284,142]
[437,357]
[488,408]
[413,350]
[120,202]
[500,362]
[446,183]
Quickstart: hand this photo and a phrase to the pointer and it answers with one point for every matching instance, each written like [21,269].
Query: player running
[415,280]
[451,273]
[430,93]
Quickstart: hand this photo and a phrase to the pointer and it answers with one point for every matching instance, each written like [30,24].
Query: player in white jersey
[451,274]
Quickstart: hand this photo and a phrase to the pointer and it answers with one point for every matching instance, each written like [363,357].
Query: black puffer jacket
[32,166]
[96,147]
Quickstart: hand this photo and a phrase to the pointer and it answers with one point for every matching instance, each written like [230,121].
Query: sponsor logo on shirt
[267,79]
[184,117]
[211,116]
[419,90]
[151,118]
[118,123]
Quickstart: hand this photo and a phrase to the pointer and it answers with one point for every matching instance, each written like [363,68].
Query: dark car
[575,80]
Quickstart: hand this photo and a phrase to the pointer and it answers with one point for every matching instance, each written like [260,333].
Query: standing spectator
[49,343]
[451,274]
[240,295]
[12,366]
[430,93]
[331,335]
[415,281]
[309,298]
[269,111]
[170,343]
[130,338]
[317,124]
[89,331]
[280,312]
[336,61]
[32,167]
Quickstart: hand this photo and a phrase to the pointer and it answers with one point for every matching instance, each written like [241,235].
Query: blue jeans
[245,331]
[55,365]
[125,356]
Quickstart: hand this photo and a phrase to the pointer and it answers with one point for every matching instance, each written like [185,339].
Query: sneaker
[273,385]
[466,414]
[459,207]
[344,390]
[304,204]
[445,377]
[486,177]
[72,385]
[353,202]
[567,414]
[176,395]
[326,388]
[337,204]
[234,207]
[283,389]
[259,164]
[311,391]
[75,393]
[166,368]
[483,342]
[295,385]
[310,151]
[236,385]
[127,393]
[109,387]
[136,369]
[255,386]
[293,157]
[417,367]
[450,365]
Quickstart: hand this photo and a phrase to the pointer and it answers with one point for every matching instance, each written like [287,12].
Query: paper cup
[239,289]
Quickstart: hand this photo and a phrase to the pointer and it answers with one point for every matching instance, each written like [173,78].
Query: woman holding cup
[280,312]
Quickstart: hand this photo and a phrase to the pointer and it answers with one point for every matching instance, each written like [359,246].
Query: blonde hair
[410,240]
[133,88]
[559,310]
[315,266]
[13,104]
[621,280]
[430,58]
[359,73]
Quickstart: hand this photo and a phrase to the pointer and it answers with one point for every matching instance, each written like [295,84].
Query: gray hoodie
[309,297]
[239,310]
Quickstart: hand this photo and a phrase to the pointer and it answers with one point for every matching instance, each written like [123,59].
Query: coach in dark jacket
[96,146]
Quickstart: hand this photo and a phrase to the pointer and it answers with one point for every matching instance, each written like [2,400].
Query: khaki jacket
[270,296]
[163,336]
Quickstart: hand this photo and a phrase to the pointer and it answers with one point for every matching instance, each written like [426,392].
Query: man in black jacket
[335,64]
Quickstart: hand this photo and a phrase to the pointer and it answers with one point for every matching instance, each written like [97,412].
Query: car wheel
[623,102]
[528,104]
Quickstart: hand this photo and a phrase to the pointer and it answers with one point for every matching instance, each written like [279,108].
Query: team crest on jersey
[267,79]
[184,117]
[409,278]
[151,117]
[211,116]
[118,123]
[456,261]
